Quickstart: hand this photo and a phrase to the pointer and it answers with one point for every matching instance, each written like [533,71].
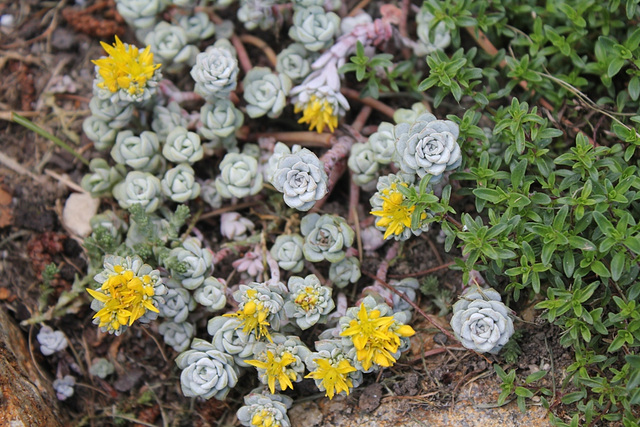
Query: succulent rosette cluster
[211,294]
[393,210]
[206,372]
[165,119]
[314,28]
[294,61]
[197,26]
[363,164]
[287,251]
[256,13]
[428,146]
[239,176]
[179,184]
[265,92]
[280,362]
[177,334]
[219,120]
[215,72]
[481,321]
[139,152]
[344,272]
[230,338]
[182,146]
[377,334]
[170,45]
[326,237]
[265,409]
[129,290]
[190,263]
[333,369]
[140,188]
[102,177]
[430,38]
[177,303]
[51,341]
[300,176]
[308,302]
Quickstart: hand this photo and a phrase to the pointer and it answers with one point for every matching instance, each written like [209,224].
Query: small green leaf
[535,377]
[617,265]
[573,397]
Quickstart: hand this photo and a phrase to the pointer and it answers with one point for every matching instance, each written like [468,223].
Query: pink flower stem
[335,163]
[221,255]
[172,93]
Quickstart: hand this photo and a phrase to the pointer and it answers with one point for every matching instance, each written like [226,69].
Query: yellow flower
[308,299]
[318,113]
[375,338]
[394,215]
[253,316]
[264,418]
[334,376]
[126,298]
[126,68]
[276,369]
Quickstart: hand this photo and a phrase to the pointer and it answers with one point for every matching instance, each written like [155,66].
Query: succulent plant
[287,251]
[170,46]
[251,264]
[64,387]
[179,184]
[100,132]
[395,218]
[409,115]
[209,193]
[294,61]
[177,303]
[377,334]
[215,73]
[301,177]
[407,286]
[279,150]
[265,92]
[288,354]
[206,372]
[165,119]
[101,368]
[190,263]
[239,176]
[344,272]
[140,13]
[197,26]
[103,177]
[139,188]
[325,237]
[262,409]
[182,146]
[177,334]
[229,337]
[383,143]
[51,341]
[314,28]
[308,302]
[481,321]
[428,146]
[332,368]
[363,164]
[426,42]
[256,13]
[116,115]
[141,153]
[234,226]
[221,119]
[211,294]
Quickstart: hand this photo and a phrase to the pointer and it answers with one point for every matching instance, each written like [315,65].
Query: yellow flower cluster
[333,376]
[308,299]
[276,369]
[253,316]
[126,68]
[318,113]
[376,338]
[395,216]
[265,418]
[126,298]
